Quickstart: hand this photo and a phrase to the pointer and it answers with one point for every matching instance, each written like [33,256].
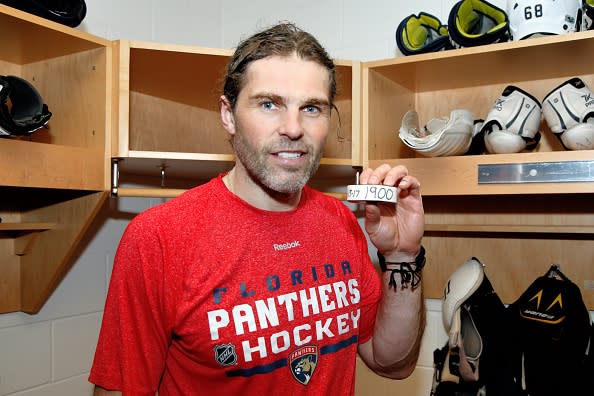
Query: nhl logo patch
[225,354]
[303,362]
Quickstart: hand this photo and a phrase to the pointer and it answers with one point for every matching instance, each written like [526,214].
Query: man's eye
[316,109]
[312,109]
[268,105]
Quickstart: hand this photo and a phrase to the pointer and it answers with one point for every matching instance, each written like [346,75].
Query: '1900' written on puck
[372,192]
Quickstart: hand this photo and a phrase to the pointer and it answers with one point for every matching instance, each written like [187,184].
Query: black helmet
[67,12]
[22,110]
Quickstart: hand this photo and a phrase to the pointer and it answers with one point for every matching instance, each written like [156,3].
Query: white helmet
[529,18]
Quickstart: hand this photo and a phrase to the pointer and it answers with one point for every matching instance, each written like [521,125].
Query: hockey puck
[371,193]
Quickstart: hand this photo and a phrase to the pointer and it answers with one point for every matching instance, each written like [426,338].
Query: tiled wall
[49,354]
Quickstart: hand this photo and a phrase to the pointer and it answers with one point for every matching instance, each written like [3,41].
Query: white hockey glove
[512,123]
[569,112]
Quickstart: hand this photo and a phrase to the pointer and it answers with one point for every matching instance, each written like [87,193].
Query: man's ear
[227,117]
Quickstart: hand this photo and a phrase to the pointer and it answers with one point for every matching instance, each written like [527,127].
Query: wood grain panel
[44,267]
[528,234]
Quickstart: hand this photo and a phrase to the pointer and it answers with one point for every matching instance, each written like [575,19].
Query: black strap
[410,272]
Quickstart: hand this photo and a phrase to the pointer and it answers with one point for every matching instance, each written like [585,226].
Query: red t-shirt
[210,295]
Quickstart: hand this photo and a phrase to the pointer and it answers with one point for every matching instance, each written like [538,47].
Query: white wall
[349,29]
[50,353]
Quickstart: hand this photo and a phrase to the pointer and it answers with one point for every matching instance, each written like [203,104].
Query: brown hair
[283,39]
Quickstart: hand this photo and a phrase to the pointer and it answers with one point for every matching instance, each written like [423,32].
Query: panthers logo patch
[303,362]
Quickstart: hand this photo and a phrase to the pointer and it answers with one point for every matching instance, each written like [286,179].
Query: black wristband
[419,261]
[408,273]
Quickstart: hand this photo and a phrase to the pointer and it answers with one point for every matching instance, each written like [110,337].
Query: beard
[285,180]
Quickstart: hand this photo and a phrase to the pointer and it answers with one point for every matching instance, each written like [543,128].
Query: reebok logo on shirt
[286,246]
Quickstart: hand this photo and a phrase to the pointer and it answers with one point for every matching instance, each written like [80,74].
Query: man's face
[281,121]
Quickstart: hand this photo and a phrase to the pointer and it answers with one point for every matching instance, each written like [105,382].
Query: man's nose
[292,124]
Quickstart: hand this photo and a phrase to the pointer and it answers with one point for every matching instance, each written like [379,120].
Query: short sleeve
[134,334]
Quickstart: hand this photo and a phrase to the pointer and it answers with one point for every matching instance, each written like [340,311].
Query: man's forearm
[400,322]
[399,327]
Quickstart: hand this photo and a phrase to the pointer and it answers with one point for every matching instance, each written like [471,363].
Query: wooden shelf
[491,64]
[24,235]
[27,38]
[174,192]
[25,227]
[458,175]
[41,165]
[517,237]
[517,229]
[168,114]
[72,71]
[56,179]
[508,228]
[434,85]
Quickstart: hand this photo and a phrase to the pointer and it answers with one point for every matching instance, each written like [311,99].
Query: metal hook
[115,177]
[163,175]
[358,170]
[555,272]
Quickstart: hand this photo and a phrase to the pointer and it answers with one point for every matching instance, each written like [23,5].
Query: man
[254,283]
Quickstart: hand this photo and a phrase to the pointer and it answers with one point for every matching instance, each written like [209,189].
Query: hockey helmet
[22,110]
[67,12]
[528,18]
